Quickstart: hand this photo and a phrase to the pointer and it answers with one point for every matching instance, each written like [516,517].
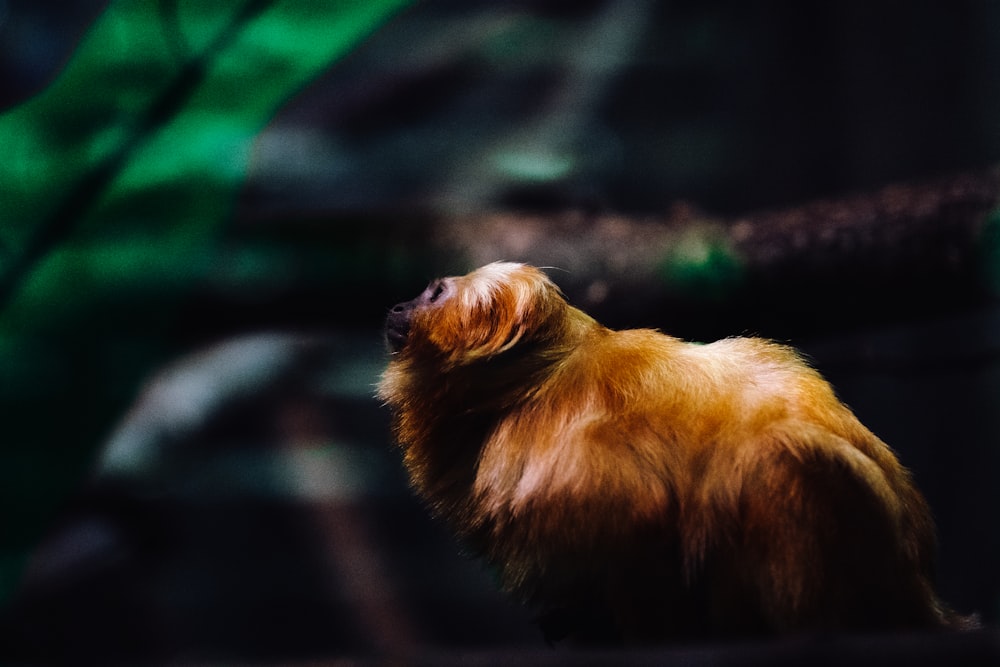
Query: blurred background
[206,209]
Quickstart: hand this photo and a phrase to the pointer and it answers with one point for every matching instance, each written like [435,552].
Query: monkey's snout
[397,325]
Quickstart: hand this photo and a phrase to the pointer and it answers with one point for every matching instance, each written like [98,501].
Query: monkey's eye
[435,290]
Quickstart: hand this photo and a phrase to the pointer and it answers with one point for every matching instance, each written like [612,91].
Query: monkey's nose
[397,326]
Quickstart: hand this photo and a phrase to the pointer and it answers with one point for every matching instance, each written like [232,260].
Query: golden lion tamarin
[632,486]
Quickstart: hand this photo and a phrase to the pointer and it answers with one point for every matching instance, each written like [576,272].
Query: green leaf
[115,185]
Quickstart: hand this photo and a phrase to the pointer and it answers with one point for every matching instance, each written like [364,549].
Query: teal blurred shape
[701,263]
[115,184]
[989,252]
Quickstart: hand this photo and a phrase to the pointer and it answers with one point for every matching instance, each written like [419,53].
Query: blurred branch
[904,242]
[904,251]
[898,225]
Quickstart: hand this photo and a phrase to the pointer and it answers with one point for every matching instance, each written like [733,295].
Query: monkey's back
[711,489]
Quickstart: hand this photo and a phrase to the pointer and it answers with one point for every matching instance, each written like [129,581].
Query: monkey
[631,487]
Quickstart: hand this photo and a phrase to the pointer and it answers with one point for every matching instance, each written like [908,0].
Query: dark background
[241,500]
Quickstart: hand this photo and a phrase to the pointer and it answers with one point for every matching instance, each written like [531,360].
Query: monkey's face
[459,320]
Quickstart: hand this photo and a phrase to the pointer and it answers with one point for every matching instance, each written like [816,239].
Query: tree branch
[897,248]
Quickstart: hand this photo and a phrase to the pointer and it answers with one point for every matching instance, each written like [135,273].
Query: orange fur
[631,485]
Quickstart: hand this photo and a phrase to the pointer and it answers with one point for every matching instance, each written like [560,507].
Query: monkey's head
[464,352]
[462,320]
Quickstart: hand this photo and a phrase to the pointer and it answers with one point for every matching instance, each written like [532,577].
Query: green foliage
[115,185]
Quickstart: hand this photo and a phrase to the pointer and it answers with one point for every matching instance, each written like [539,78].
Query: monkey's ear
[480,332]
[496,339]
